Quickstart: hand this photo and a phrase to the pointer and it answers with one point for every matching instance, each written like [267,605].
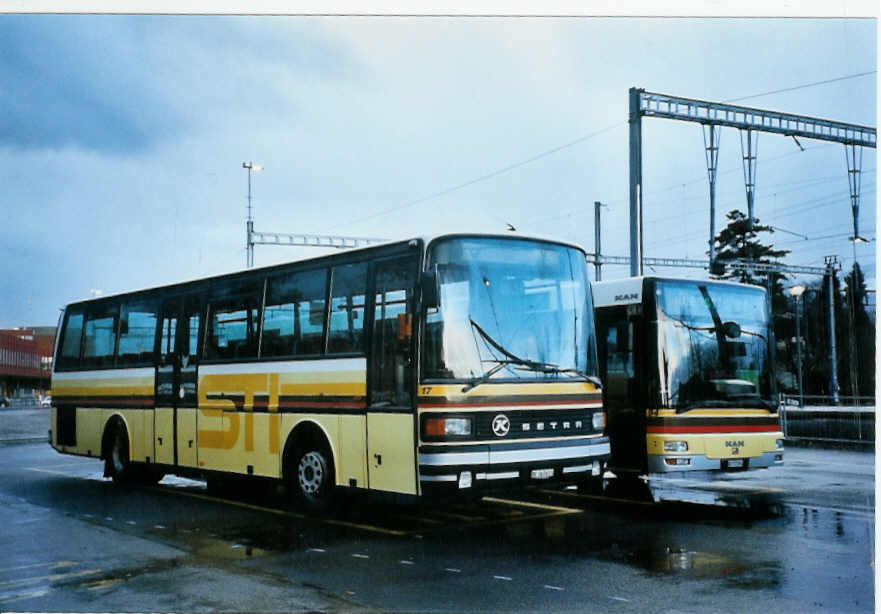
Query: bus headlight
[447,427]
[675,446]
[599,420]
[779,444]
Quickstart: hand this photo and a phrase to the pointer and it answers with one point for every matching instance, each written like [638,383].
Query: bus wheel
[313,479]
[117,465]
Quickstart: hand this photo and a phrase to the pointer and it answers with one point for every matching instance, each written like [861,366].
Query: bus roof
[628,291]
[426,240]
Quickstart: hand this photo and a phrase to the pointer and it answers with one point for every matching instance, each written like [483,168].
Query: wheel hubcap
[311,472]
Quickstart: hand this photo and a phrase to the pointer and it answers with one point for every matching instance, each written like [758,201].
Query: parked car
[47,401]
[4,401]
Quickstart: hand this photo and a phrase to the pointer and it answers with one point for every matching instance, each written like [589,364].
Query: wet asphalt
[798,538]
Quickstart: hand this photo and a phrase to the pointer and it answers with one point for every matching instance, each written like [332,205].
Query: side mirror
[430,289]
[731,329]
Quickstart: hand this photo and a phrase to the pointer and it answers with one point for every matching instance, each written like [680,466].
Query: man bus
[688,379]
[441,366]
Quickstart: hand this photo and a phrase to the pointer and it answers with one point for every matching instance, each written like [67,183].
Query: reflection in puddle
[99,585]
[221,549]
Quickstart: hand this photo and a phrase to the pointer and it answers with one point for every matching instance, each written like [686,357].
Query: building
[26,361]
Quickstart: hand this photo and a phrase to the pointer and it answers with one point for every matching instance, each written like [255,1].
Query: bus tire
[117,462]
[311,476]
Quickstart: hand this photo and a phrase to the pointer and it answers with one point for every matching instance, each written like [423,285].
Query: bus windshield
[713,342]
[510,310]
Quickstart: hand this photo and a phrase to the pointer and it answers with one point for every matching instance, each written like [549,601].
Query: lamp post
[797,291]
[249,224]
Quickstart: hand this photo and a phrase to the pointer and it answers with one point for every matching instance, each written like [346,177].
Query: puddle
[220,549]
[678,560]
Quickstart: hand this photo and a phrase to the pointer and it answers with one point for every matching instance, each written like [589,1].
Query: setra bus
[442,366]
[688,376]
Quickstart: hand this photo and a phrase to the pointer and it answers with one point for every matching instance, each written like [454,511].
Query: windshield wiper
[513,359]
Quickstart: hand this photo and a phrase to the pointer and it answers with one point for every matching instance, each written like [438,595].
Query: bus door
[176,381]
[618,349]
[391,447]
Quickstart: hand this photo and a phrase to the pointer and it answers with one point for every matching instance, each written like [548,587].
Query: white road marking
[505,578]
[316,550]
[49,578]
[453,570]
[554,588]
[158,526]
[404,562]
[52,564]
[13,597]
[620,599]
[360,556]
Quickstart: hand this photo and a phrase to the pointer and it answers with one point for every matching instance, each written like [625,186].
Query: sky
[122,138]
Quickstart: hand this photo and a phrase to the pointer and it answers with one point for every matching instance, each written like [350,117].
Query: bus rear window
[69,354]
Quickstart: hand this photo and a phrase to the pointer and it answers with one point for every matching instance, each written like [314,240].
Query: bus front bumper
[670,463]
[487,466]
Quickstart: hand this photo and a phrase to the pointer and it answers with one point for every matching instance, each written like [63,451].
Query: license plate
[734,463]
[542,474]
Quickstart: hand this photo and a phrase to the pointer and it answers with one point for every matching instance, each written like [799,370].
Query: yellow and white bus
[429,366]
[688,376]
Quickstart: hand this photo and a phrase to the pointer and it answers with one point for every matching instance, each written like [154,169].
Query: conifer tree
[738,242]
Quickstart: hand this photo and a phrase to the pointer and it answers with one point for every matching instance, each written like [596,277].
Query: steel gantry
[253,237]
[711,147]
[750,121]
[307,240]
[759,267]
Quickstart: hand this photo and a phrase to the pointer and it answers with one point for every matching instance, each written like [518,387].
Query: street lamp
[249,224]
[797,291]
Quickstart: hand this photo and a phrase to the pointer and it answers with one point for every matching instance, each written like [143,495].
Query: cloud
[127,84]
[66,82]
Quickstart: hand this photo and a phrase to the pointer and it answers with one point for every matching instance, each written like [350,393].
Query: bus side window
[346,327]
[232,332]
[293,320]
[168,335]
[193,334]
[99,339]
[137,332]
